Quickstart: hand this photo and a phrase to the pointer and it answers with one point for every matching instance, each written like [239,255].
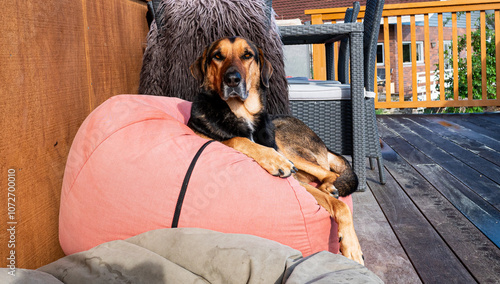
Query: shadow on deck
[437,220]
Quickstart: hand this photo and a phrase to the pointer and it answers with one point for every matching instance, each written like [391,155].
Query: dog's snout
[234,84]
[232,78]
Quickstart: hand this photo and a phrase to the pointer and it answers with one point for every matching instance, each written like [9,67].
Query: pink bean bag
[126,167]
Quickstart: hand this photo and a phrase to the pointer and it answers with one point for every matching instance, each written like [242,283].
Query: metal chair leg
[381,171]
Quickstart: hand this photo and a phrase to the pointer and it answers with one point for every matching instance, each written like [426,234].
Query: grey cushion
[190,255]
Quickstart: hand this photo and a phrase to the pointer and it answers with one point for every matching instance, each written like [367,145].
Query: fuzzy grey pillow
[188,26]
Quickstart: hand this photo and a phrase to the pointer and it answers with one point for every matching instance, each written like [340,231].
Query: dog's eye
[218,56]
[247,55]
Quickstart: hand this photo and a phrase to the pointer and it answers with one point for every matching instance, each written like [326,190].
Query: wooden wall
[59,60]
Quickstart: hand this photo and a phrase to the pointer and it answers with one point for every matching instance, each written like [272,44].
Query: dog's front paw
[349,245]
[276,164]
[329,188]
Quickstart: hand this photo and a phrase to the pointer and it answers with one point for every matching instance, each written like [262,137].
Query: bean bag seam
[302,213]
[106,138]
[178,116]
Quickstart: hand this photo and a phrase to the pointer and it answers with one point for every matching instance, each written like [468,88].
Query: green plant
[476,68]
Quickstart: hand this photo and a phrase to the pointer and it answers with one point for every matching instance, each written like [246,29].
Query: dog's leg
[325,176]
[337,163]
[340,212]
[268,158]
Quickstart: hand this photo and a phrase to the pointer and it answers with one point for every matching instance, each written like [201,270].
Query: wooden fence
[60,60]
[420,41]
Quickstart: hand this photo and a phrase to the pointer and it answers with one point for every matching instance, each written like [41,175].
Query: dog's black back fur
[212,117]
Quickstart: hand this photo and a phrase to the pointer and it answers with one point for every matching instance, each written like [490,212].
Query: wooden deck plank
[481,165]
[474,135]
[382,251]
[483,186]
[465,239]
[476,209]
[473,122]
[433,260]
[489,122]
[431,202]
[469,140]
[493,118]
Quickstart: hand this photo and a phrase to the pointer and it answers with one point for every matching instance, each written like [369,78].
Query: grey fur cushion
[188,26]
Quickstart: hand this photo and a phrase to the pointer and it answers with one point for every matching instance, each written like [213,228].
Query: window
[407,52]
[380,53]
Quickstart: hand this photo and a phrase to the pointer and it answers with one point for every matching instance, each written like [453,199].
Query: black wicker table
[328,33]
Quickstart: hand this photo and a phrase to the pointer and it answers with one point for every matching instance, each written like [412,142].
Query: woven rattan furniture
[334,121]
[348,127]
[351,15]
[373,14]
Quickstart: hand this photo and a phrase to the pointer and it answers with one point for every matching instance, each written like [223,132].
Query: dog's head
[233,67]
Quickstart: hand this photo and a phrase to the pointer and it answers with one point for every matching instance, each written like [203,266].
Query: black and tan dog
[231,108]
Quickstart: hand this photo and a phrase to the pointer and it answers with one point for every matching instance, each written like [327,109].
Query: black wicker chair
[373,14]
[351,15]
[335,121]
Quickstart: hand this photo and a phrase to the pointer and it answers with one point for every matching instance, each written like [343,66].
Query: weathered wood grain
[433,260]
[475,123]
[470,158]
[472,141]
[383,253]
[43,103]
[474,179]
[424,181]
[47,52]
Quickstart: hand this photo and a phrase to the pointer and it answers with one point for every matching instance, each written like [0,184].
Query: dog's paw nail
[295,169]
[282,173]
[340,239]
[363,257]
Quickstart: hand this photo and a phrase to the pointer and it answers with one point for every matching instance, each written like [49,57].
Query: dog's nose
[232,78]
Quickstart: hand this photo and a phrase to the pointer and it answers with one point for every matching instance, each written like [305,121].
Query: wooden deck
[437,219]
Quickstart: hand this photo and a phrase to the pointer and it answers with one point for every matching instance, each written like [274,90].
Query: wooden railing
[470,77]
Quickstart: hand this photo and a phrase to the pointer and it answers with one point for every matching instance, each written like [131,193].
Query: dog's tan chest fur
[246,109]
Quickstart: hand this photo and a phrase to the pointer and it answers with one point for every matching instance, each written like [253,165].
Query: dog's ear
[197,68]
[266,69]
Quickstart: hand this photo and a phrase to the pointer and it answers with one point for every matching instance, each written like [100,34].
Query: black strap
[185,183]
